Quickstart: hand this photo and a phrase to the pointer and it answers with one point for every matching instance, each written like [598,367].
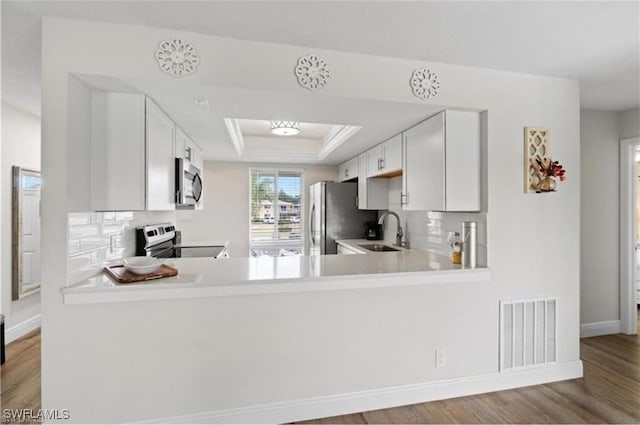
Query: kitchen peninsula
[200,277]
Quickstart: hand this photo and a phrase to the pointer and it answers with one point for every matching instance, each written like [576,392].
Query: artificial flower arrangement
[549,170]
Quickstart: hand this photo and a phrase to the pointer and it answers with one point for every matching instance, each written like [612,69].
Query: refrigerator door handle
[312,222]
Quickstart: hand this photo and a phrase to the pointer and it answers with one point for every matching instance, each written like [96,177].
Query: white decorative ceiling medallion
[424,83]
[177,57]
[312,72]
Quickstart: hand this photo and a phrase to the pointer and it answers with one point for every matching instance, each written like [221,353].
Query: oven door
[188,183]
[201,252]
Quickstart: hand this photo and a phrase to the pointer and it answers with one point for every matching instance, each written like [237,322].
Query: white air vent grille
[528,333]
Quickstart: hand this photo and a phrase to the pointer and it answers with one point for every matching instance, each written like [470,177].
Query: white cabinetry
[348,170]
[181,137]
[186,148]
[442,163]
[193,154]
[386,158]
[132,154]
[373,193]
[160,159]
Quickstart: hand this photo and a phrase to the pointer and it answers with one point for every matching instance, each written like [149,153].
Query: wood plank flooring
[609,392]
[20,376]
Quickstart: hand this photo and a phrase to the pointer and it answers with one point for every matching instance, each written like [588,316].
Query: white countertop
[246,276]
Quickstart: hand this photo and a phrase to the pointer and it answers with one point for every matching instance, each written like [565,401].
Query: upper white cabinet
[132,154]
[442,163]
[386,158]
[373,193]
[187,149]
[348,170]
[193,154]
[160,159]
[181,138]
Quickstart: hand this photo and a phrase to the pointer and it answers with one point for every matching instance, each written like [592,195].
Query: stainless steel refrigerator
[334,214]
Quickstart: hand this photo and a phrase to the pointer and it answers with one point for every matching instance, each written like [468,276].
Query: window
[276,213]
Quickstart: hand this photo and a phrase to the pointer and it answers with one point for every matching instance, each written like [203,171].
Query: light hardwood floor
[609,392]
[20,376]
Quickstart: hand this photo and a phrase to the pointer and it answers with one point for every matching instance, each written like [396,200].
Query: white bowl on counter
[142,265]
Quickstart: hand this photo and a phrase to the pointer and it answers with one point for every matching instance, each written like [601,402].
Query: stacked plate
[142,265]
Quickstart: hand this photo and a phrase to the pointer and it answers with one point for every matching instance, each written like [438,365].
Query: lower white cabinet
[442,163]
[373,193]
[132,154]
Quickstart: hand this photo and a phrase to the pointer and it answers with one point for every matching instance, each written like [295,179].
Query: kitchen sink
[378,247]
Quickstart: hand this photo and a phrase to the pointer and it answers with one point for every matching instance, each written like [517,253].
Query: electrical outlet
[441,357]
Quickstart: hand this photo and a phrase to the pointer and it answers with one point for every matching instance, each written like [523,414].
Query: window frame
[275,170]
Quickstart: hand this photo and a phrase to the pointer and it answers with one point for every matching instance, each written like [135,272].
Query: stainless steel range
[164,241]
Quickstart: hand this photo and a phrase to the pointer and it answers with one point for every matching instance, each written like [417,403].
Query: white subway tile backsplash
[95,238]
[428,230]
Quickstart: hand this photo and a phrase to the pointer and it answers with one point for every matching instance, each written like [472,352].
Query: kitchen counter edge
[198,284]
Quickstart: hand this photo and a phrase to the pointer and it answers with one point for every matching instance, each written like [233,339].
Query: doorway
[629,234]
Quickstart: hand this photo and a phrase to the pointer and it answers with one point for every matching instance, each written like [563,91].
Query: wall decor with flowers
[541,170]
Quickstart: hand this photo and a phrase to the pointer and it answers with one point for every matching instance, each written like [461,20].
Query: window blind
[276,212]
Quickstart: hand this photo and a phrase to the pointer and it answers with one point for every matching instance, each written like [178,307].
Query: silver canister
[469,243]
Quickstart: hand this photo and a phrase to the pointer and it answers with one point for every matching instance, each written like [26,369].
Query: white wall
[225,215]
[600,134]
[20,146]
[156,359]
[629,123]
[599,220]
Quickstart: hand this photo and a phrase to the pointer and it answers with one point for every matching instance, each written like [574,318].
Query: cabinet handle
[346,172]
[187,153]
[381,163]
[404,198]
[379,166]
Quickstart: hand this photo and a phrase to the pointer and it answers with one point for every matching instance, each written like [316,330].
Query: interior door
[30,220]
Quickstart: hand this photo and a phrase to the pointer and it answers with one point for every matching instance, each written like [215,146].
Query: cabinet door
[348,170]
[423,179]
[179,147]
[373,193]
[392,155]
[117,152]
[462,171]
[160,159]
[374,161]
[342,171]
[362,181]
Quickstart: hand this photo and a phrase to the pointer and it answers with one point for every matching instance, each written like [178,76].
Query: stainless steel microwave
[188,184]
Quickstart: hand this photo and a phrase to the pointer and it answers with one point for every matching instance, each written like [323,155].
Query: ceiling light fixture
[285,128]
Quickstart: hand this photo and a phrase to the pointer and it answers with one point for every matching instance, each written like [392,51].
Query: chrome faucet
[399,233]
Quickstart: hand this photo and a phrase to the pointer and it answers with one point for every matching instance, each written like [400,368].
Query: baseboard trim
[600,328]
[341,404]
[21,329]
